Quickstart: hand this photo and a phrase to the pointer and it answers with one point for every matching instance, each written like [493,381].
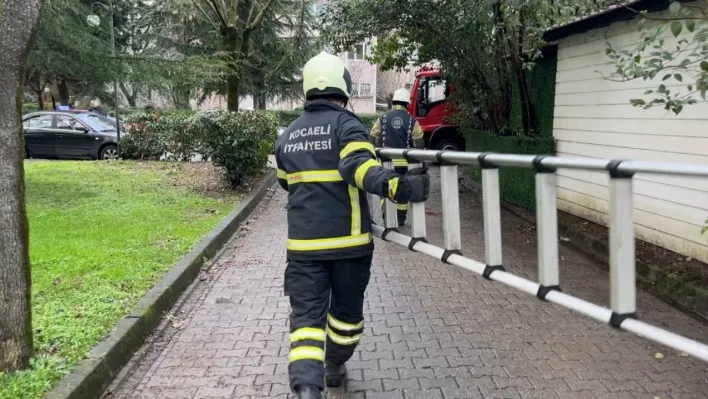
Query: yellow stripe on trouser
[329,243]
[356,146]
[402,207]
[311,333]
[314,176]
[400,162]
[342,325]
[361,172]
[356,210]
[307,353]
[342,340]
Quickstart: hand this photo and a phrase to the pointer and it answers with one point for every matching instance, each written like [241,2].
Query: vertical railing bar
[491,207]
[623,290]
[546,229]
[450,197]
[417,213]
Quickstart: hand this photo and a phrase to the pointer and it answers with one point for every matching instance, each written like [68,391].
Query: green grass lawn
[101,235]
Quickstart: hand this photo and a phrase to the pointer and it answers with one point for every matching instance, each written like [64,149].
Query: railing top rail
[487,159]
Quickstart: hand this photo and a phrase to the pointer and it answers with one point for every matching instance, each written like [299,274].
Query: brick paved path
[432,331]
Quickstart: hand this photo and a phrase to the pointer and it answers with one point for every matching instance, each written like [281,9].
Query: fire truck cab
[431,108]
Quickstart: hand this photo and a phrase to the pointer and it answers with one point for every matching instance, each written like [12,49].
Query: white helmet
[325,75]
[402,96]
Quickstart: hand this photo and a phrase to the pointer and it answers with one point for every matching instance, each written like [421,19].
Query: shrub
[141,142]
[238,142]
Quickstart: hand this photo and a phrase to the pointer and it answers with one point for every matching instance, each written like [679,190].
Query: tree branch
[206,16]
[259,18]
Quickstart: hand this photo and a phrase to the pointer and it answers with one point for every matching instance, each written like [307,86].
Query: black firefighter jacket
[326,163]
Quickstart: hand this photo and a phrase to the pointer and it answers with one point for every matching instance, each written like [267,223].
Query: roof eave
[607,17]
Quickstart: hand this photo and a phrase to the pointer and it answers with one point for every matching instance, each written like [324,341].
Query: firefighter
[326,164]
[398,129]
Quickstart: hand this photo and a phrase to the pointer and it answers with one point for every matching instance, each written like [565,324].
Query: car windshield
[96,122]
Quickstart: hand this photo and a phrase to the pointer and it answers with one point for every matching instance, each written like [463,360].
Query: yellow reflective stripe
[400,162]
[307,353]
[281,174]
[356,146]
[361,172]
[342,340]
[392,187]
[402,207]
[344,326]
[329,243]
[315,334]
[315,176]
[356,210]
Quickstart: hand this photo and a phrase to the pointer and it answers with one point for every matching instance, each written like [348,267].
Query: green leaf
[662,89]
[675,7]
[676,26]
[666,77]
[648,92]
[678,77]
[690,87]
[678,109]
[704,66]
[691,25]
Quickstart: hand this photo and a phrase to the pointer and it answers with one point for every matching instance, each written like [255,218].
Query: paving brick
[432,330]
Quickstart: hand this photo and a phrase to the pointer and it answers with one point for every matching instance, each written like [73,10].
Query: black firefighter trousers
[327,302]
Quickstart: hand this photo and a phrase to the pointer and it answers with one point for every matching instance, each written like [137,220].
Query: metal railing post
[623,290]
[546,230]
[417,212]
[450,196]
[491,207]
[391,219]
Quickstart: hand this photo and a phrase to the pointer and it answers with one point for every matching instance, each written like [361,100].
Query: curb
[94,374]
[598,250]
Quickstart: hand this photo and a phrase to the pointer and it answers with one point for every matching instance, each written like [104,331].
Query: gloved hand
[414,186]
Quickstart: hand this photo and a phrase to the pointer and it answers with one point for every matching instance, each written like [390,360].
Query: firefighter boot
[335,375]
[309,392]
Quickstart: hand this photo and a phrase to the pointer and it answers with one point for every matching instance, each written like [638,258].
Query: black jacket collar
[326,105]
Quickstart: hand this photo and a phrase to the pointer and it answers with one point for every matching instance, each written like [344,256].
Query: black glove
[414,186]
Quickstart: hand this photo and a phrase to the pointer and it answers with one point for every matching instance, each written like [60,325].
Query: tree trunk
[40,101]
[528,116]
[63,89]
[17,21]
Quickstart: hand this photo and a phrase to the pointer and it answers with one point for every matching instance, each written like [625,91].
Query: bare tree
[18,19]
[390,81]
[357,71]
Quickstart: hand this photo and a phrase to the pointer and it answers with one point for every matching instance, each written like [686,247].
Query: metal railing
[622,311]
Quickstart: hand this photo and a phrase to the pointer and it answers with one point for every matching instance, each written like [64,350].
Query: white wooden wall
[593,118]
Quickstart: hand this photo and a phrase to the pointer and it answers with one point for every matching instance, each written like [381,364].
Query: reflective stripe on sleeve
[356,146]
[361,172]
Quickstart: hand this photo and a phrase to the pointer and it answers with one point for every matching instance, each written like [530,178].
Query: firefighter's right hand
[414,186]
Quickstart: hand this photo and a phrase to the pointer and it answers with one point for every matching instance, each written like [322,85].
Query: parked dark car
[63,134]
[105,119]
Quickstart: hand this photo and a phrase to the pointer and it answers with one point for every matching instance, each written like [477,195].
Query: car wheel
[109,152]
[448,145]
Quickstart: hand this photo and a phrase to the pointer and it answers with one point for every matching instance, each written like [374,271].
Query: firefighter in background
[326,164]
[398,129]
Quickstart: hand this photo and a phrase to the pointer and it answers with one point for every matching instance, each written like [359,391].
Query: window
[38,122]
[436,91]
[361,90]
[357,53]
[68,123]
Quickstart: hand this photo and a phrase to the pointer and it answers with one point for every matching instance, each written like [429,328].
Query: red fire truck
[430,107]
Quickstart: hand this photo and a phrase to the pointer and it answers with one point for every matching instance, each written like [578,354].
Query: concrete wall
[593,118]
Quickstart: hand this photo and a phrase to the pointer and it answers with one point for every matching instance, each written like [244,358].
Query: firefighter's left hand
[418,182]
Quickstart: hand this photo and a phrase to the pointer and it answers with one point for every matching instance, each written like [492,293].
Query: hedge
[516,185]
[542,81]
